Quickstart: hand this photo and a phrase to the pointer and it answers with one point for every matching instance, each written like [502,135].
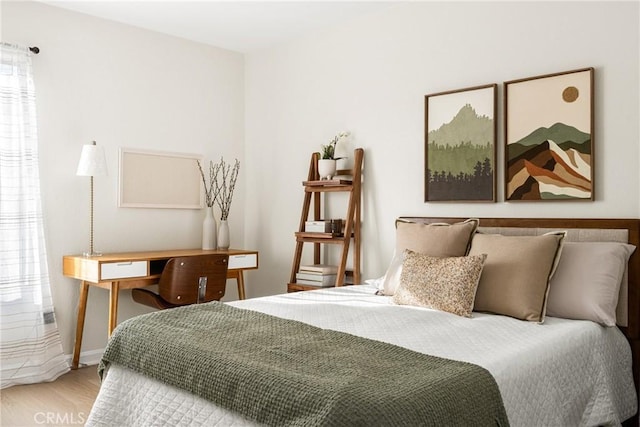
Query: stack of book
[320,275]
[333,226]
[321,226]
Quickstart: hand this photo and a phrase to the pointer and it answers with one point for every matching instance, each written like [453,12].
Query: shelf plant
[327,163]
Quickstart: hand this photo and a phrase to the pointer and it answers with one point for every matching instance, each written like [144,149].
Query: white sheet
[563,372]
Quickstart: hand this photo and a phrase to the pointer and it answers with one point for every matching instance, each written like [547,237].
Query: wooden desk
[129,270]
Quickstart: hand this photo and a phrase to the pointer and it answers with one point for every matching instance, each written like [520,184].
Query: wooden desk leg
[82,310]
[240,280]
[113,306]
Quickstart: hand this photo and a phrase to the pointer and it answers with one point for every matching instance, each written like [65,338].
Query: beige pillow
[515,278]
[586,283]
[441,240]
[445,284]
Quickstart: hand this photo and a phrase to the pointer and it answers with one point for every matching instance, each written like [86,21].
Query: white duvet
[560,373]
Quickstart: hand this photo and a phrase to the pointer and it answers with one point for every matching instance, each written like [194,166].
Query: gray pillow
[586,283]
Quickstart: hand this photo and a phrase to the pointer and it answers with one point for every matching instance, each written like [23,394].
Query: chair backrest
[194,279]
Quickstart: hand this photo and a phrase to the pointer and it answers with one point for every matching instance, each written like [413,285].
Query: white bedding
[560,373]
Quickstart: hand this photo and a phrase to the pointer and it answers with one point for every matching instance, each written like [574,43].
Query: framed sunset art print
[549,137]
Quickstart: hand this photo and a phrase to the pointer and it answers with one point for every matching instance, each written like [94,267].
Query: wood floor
[66,401]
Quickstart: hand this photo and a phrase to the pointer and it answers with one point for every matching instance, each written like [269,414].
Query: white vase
[209,240]
[326,168]
[223,235]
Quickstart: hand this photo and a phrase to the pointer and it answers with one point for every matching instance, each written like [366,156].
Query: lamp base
[90,254]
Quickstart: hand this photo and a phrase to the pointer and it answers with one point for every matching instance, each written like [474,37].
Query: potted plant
[220,192]
[327,161]
[225,195]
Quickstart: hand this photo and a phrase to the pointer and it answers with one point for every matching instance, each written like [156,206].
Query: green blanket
[287,373]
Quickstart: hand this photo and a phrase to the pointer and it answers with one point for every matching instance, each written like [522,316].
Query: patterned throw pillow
[446,284]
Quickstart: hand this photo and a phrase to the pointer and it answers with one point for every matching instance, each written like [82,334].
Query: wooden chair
[187,280]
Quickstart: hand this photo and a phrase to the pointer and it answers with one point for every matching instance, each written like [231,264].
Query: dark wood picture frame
[460,145]
[549,128]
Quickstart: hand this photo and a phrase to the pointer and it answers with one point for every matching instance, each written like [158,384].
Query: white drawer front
[243,261]
[123,270]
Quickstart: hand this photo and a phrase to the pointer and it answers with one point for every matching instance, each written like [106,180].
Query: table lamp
[92,163]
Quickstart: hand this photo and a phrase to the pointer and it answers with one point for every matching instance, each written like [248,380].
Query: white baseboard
[87,358]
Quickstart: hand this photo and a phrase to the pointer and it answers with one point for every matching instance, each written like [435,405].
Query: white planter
[326,168]
[224,240]
[209,239]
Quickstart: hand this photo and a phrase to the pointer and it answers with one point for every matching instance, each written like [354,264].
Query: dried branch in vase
[225,189]
[210,191]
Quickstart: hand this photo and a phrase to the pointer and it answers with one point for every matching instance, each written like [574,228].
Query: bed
[556,372]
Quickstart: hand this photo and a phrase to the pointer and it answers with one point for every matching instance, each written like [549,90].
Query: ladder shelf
[313,188]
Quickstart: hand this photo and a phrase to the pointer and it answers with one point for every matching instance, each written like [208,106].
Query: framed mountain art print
[460,145]
[549,137]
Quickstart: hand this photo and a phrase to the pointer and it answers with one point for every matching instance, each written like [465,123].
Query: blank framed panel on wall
[156,179]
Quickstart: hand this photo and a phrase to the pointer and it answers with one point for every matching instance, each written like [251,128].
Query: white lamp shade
[92,161]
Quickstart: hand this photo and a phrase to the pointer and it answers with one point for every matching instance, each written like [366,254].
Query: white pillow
[586,283]
[391,279]
[378,282]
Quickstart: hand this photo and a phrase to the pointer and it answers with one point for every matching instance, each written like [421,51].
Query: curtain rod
[35,49]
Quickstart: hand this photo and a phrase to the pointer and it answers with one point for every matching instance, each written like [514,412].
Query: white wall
[370,77]
[123,87]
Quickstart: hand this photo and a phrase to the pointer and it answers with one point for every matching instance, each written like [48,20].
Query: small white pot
[326,168]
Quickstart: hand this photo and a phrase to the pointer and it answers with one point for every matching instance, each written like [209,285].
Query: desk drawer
[123,270]
[243,261]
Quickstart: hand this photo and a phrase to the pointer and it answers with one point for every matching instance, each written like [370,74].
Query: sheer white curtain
[30,349]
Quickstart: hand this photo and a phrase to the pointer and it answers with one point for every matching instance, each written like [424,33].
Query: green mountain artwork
[460,156]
